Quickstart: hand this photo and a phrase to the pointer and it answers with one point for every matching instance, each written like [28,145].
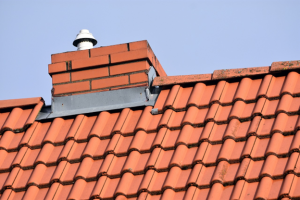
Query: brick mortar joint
[69,67]
[99,78]
[99,89]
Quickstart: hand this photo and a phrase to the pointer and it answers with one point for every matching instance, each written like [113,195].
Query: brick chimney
[103,69]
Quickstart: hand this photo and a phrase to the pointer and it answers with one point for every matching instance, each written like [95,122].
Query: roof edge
[227,73]
[9,103]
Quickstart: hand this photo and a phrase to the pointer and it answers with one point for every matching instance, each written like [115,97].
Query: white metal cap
[84,40]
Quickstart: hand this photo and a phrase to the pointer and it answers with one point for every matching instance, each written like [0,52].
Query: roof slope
[222,139]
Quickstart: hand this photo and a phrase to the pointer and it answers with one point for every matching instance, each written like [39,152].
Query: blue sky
[188,37]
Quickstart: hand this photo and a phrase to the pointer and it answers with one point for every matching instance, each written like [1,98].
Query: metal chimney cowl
[84,40]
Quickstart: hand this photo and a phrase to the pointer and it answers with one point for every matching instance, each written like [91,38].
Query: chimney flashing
[100,101]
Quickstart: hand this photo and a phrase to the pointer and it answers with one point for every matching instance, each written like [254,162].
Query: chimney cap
[84,34]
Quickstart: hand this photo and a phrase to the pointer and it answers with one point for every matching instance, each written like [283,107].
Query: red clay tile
[265,85]
[123,145]
[225,172]
[129,184]
[294,192]
[287,185]
[176,119]
[36,138]
[167,116]
[185,135]
[99,124]
[6,159]
[218,91]
[157,181]
[275,86]
[84,129]
[227,149]
[218,191]
[234,133]
[212,112]
[169,139]
[142,141]
[197,94]
[182,98]
[296,142]
[145,118]
[10,140]
[248,89]
[131,121]
[228,92]
[176,178]
[222,113]
[171,80]
[34,192]
[109,188]
[287,65]
[197,193]
[269,188]
[95,147]
[172,96]
[231,73]
[10,103]
[160,102]
[116,165]
[49,154]
[41,175]
[136,162]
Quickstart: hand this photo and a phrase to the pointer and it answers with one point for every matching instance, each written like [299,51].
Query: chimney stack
[102,69]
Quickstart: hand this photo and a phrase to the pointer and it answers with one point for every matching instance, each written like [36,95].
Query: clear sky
[188,37]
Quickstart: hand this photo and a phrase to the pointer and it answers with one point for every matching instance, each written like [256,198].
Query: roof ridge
[227,73]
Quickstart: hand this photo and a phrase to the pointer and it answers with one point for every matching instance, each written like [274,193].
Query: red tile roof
[234,135]
[18,114]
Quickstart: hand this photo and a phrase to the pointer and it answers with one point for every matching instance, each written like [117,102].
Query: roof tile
[227,139]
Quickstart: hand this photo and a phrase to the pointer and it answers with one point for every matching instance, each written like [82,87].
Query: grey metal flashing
[102,101]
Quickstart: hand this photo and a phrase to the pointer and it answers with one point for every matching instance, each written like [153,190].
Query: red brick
[130,86]
[91,73]
[92,91]
[108,50]
[155,62]
[71,87]
[60,78]
[90,62]
[139,54]
[138,45]
[129,56]
[67,56]
[57,67]
[139,77]
[110,82]
[129,67]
